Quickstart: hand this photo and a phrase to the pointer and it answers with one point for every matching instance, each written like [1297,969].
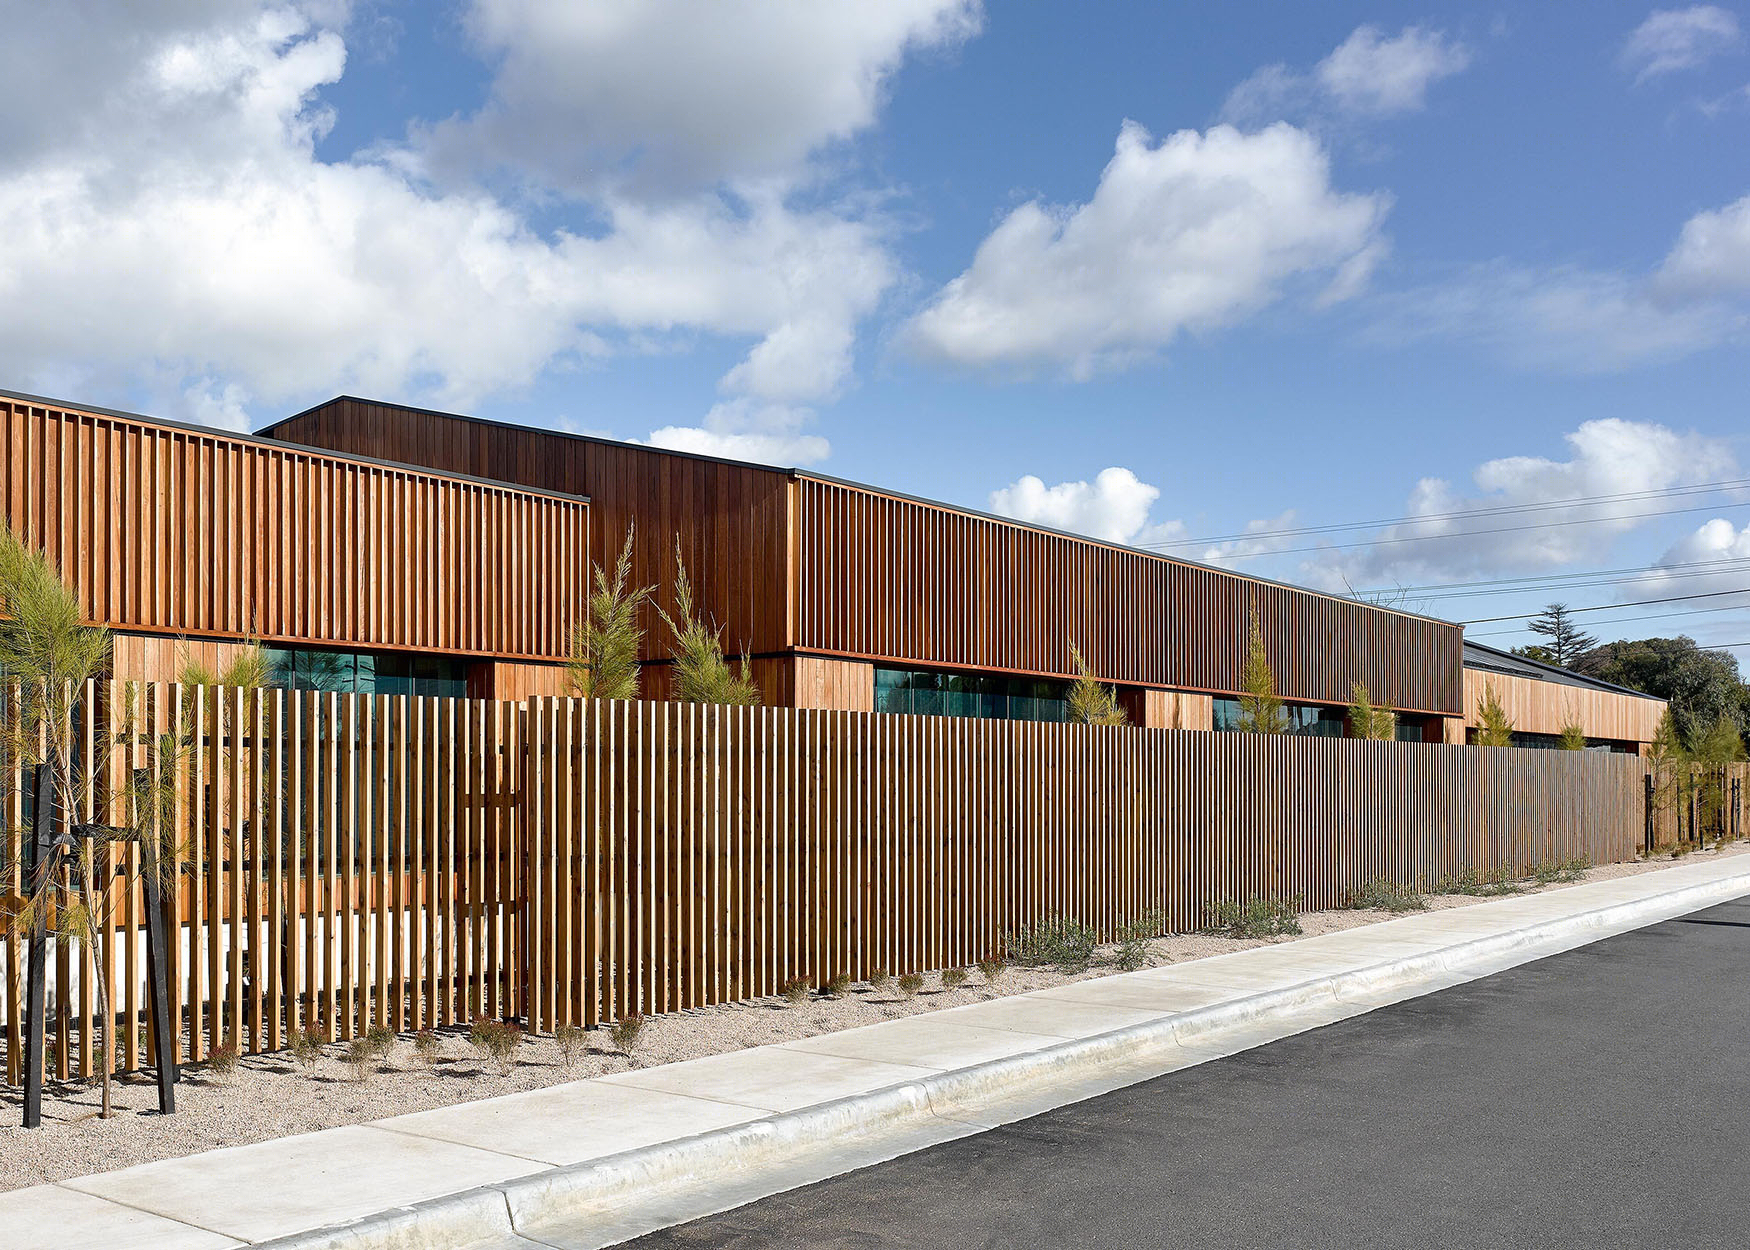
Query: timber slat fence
[349,860]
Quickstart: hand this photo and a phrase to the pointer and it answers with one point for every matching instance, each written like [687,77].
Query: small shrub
[1574,869]
[426,1047]
[795,990]
[991,967]
[1493,884]
[572,1042]
[1132,938]
[1384,894]
[625,1033]
[224,1060]
[361,1056]
[910,984]
[1257,917]
[953,978]
[839,986]
[381,1039]
[881,980]
[307,1049]
[497,1042]
[1054,940]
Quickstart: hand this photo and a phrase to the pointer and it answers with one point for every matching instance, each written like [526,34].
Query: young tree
[1494,726]
[1567,641]
[701,674]
[1367,721]
[604,646]
[1573,737]
[1261,711]
[1090,703]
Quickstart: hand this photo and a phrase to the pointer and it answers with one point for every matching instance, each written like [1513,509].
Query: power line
[1558,587]
[1533,580]
[1607,607]
[1497,510]
[1623,620]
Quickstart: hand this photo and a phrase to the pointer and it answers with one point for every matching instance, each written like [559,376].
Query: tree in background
[1261,710]
[604,646]
[1700,685]
[1367,721]
[1494,726]
[1567,641]
[1091,703]
[1668,763]
[701,674]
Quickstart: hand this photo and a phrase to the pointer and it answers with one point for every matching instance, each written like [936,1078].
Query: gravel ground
[269,1097]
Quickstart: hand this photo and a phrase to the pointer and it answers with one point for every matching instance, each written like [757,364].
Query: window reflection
[364,672]
[980,696]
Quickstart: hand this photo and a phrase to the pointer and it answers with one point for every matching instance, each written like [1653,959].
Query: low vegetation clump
[626,1032]
[880,980]
[361,1057]
[381,1039]
[1257,917]
[1492,884]
[572,1042]
[1384,894]
[839,986]
[796,990]
[306,1049]
[991,967]
[1564,871]
[1132,938]
[496,1042]
[224,1060]
[953,978]
[1055,941]
[910,984]
[426,1047]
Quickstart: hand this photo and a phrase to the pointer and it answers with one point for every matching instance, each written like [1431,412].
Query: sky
[1364,297]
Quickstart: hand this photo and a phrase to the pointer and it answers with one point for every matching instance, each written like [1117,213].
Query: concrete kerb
[730,1158]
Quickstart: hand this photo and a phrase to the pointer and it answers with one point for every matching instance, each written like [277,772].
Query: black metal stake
[157,964]
[1647,792]
[42,867]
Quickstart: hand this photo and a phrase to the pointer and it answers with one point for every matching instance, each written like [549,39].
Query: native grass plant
[880,980]
[1494,726]
[573,1042]
[1495,883]
[1091,703]
[701,674]
[626,1032]
[1054,941]
[362,1058]
[1257,917]
[839,986]
[1561,871]
[1367,721]
[496,1042]
[603,663]
[992,967]
[1132,938]
[1261,710]
[306,1046]
[1384,894]
[910,984]
[427,1048]
[796,990]
[953,978]
[223,1060]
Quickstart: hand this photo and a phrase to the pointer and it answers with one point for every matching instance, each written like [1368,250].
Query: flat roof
[267,432]
[1494,660]
[280,445]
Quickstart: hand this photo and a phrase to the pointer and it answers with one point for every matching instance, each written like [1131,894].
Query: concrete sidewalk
[595,1162]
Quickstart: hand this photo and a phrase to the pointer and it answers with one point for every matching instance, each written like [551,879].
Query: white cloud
[741,429]
[1187,235]
[1368,75]
[1609,456]
[170,224]
[676,94]
[1677,39]
[1113,507]
[1712,254]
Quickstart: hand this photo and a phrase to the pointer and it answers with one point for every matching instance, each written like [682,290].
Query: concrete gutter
[847,1100]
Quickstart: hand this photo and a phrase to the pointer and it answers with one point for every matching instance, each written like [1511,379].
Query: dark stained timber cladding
[886,577]
[730,518]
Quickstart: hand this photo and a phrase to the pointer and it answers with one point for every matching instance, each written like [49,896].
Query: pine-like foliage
[1494,726]
[604,647]
[701,674]
[248,667]
[1567,641]
[1573,737]
[1367,721]
[1721,744]
[1261,711]
[1090,703]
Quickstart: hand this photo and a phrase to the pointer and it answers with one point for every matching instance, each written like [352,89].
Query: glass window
[981,696]
[1305,719]
[365,672]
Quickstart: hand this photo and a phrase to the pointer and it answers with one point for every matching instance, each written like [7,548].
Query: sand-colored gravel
[270,1097]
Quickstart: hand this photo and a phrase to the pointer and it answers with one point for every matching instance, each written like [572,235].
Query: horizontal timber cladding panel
[731,518]
[191,532]
[885,577]
[1547,707]
[683,855]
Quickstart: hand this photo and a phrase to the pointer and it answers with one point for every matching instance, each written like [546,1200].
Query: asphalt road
[1598,1098]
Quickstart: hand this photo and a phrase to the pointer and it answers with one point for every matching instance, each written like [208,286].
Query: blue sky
[1161,273]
